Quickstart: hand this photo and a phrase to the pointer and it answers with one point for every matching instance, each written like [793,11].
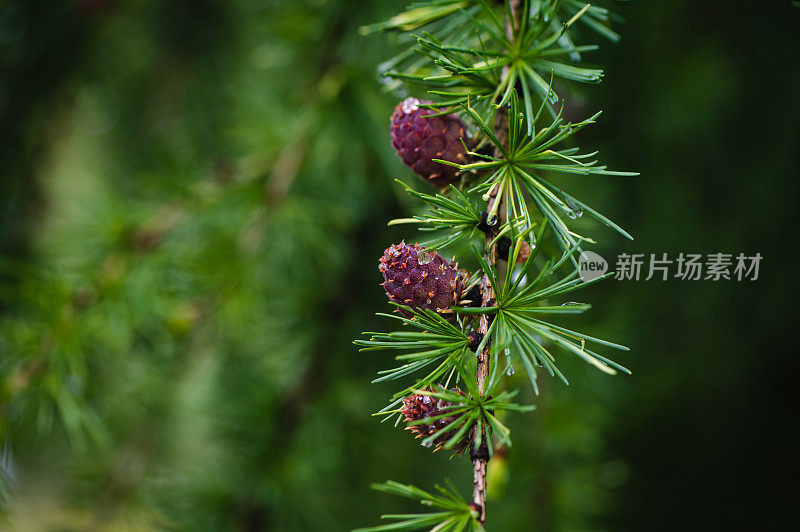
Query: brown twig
[480,457]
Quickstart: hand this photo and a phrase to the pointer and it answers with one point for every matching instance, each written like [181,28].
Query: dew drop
[575,210]
[409,105]
[491,220]
[385,66]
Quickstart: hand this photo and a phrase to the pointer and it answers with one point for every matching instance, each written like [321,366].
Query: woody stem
[480,456]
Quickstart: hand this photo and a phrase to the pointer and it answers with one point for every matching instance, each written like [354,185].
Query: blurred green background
[194,198]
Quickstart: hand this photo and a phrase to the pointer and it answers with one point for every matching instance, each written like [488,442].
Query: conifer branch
[480,458]
[489,76]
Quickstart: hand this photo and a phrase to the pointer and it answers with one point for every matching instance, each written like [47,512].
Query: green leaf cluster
[454,513]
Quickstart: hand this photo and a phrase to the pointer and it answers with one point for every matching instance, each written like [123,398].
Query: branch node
[476,508]
[474,296]
[503,247]
[475,339]
[481,453]
[489,230]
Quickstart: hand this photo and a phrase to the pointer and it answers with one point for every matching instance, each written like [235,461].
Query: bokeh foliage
[194,196]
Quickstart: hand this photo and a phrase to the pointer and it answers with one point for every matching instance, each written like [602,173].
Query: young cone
[420,138]
[417,407]
[419,279]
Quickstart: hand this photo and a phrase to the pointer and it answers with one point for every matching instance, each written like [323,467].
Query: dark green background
[194,197]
